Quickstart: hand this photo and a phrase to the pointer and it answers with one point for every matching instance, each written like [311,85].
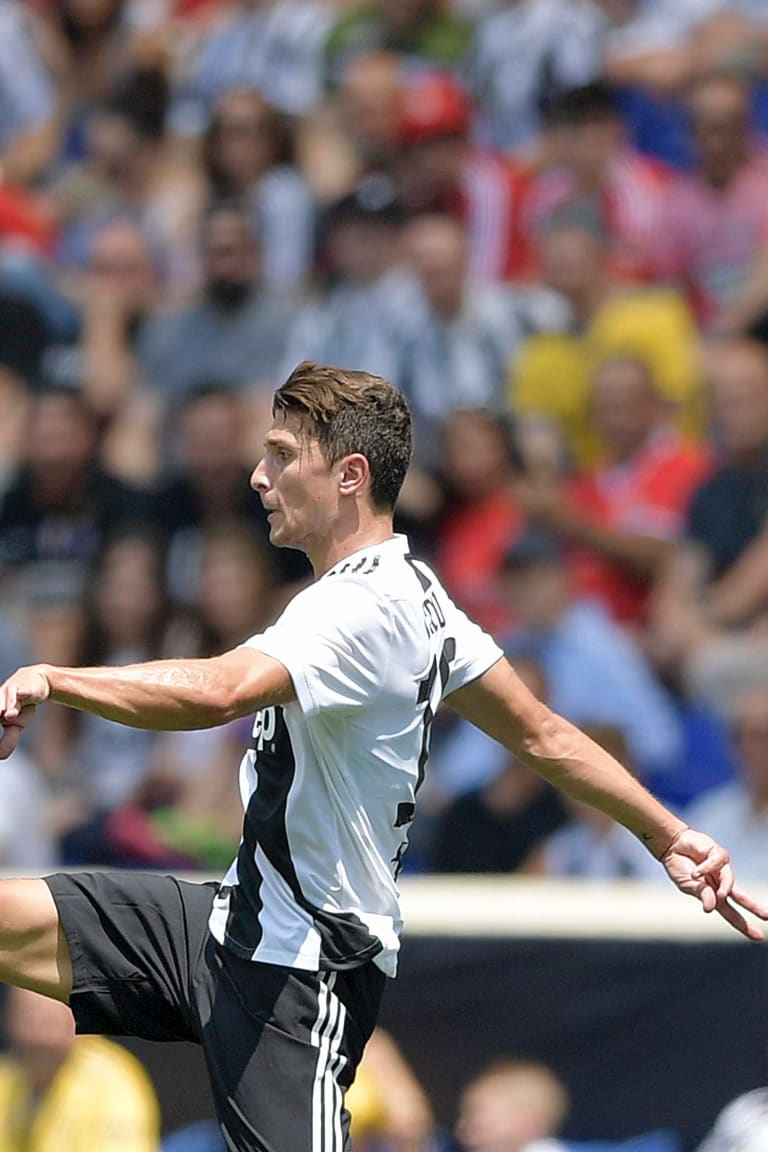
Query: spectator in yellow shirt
[551,375]
[85,1094]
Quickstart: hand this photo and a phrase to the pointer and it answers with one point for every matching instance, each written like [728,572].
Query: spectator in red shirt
[593,162]
[440,170]
[482,517]
[714,233]
[620,518]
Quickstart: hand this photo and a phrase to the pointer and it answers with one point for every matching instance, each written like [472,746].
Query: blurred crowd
[547,222]
[90,1093]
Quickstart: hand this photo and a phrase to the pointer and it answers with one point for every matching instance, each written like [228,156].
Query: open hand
[19,696]
[701,868]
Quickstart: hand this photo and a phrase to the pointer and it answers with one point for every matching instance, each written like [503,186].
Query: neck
[337,545]
[721,177]
[624,453]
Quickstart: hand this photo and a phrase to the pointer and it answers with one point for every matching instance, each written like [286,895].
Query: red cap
[431,106]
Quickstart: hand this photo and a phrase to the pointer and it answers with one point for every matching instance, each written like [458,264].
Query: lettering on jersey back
[433,614]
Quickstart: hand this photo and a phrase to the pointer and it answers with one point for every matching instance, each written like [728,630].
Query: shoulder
[346,602]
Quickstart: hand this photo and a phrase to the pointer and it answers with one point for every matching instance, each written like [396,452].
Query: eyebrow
[276,440]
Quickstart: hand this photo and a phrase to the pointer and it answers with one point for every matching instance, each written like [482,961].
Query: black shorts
[281,1045]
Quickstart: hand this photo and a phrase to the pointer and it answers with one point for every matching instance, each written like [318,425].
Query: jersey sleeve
[474,653]
[335,641]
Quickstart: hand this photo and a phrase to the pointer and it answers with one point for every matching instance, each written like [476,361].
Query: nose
[259,481]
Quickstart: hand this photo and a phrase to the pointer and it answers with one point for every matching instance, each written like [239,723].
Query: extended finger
[739,922]
[739,896]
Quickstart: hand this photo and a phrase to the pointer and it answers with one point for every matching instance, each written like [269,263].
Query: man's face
[624,406]
[739,379]
[229,257]
[60,435]
[720,113]
[298,487]
[572,258]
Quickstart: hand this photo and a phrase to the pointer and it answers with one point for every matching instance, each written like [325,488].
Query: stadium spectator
[389,1108]
[425,34]
[512,1106]
[740,808]
[355,321]
[271,46]
[482,516]
[129,168]
[117,293]
[523,53]
[168,800]
[440,169]
[621,518]
[209,485]
[28,124]
[589,160]
[61,504]
[502,811]
[354,131]
[551,374]
[57,1090]
[595,673]
[456,338]
[247,156]
[713,238]
[89,50]
[126,616]
[368,99]
[588,845]
[707,611]
[234,331]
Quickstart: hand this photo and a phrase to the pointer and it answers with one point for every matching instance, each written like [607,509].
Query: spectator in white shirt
[740,809]
[523,52]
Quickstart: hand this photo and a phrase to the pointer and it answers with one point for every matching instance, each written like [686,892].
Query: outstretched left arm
[159,695]
[500,704]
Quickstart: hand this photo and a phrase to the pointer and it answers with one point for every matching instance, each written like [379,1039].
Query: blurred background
[547,222]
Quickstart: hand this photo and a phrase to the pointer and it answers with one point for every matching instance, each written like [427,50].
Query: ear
[355,473]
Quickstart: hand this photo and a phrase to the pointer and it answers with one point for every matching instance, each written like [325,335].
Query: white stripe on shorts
[327,1036]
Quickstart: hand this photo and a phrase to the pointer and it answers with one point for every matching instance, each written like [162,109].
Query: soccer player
[278,971]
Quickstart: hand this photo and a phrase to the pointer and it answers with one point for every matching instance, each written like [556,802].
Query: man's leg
[282,1047]
[33,949]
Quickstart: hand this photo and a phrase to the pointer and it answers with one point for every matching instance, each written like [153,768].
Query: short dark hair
[351,411]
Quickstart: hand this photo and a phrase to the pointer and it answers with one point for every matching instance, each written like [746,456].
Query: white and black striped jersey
[329,782]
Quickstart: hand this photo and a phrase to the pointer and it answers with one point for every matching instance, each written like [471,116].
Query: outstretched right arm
[161,695]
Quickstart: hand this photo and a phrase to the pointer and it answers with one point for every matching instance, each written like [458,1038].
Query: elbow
[549,738]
